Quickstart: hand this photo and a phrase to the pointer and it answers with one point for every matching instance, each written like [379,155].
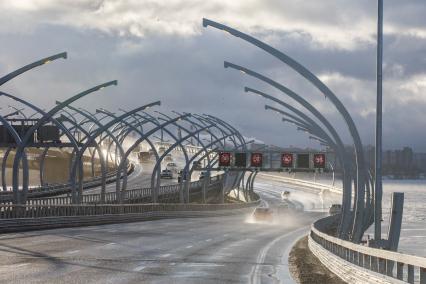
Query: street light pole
[378,160]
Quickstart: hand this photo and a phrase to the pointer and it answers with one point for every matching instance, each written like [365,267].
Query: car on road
[168,158]
[166,174]
[335,209]
[263,214]
[172,166]
[285,194]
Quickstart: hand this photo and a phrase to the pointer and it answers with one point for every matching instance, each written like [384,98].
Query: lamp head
[205,22]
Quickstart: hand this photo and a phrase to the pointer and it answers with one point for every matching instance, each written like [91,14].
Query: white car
[172,166]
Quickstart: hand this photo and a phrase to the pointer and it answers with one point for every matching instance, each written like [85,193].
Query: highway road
[230,249]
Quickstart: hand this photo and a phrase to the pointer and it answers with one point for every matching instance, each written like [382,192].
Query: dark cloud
[185,71]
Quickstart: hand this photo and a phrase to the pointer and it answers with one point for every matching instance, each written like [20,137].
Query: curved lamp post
[299,68]
[359,208]
[344,159]
[28,67]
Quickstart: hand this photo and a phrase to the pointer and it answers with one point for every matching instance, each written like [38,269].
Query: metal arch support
[42,160]
[21,146]
[320,86]
[153,120]
[206,151]
[252,180]
[97,122]
[359,196]
[101,159]
[232,129]
[344,159]
[123,135]
[214,161]
[141,139]
[3,168]
[17,139]
[46,117]
[28,67]
[179,143]
[98,132]
[201,120]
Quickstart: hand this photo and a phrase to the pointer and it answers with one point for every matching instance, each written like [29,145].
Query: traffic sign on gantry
[272,161]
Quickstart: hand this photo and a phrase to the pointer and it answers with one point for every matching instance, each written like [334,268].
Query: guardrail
[57,189]
[409,268]
[305,183]
[38,217]
[134,195]
[354,262]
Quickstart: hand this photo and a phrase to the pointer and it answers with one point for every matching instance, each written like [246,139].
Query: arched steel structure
[308,75]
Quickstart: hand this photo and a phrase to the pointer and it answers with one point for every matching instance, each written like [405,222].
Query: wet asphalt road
[228,249]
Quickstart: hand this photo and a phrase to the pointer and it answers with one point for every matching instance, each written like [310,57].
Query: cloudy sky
[158,50]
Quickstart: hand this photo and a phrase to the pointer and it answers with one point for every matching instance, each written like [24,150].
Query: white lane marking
[20,265]
[188,247]
[139,268]
[255,275]
[200,264]
[165,255]
[208,240]
[73,251]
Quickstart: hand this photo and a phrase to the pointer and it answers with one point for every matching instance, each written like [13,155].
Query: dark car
[166,174]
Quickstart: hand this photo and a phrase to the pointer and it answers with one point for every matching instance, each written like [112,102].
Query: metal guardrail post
[410,273]
[422,275]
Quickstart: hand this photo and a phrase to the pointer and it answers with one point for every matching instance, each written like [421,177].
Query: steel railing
[409,268]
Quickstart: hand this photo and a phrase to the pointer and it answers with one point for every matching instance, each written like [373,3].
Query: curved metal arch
[98,132]
[101,158]
[17,139]
[180,142]
[131,128]
[339,147]
[90,117]
[45,118]
[360,192]
[25,138]
[28,67]
[147,134]
[200,152]
[96,122]
[205,120]
[240,137]
[299,68]
[204,148]
[177,143]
